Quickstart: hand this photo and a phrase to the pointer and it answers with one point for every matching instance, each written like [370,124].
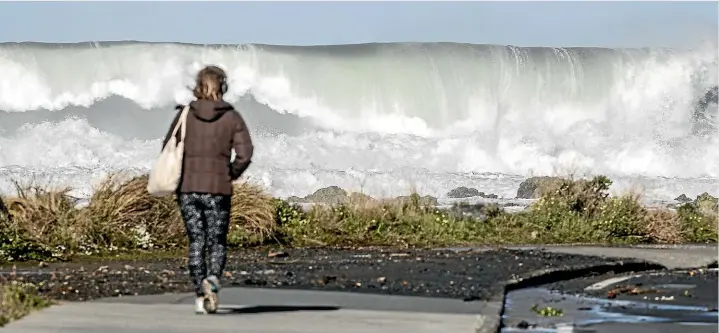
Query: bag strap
[181,124]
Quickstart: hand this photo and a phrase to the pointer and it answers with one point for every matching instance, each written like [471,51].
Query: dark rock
[426,200]
[295,199]
[706,197]
[534,187]
[682,198]
[331,195]
[463,192]
[707,204]
[467,192]
[704,120]
[524,325]
[357,197]
[488,196]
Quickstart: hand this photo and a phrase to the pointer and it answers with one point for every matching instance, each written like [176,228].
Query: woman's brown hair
[210,84]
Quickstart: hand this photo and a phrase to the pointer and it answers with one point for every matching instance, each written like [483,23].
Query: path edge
[490,319]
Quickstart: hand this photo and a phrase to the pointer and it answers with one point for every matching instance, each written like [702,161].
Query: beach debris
[278,254]
[524,325]
[547,311]
[629,290]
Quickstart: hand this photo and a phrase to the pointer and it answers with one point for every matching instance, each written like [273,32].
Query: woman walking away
[213,130]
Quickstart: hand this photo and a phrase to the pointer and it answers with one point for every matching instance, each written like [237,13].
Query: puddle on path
[585,315]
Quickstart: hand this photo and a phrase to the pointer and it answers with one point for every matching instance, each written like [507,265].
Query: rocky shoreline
[529,190]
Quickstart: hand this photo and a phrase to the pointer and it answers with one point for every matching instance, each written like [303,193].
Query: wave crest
[388,111]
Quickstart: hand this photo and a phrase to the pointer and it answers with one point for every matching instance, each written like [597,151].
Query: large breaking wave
[381,117]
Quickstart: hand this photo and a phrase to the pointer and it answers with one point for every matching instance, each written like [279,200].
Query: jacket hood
[209,111]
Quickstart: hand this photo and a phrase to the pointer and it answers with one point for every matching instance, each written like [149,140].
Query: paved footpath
[303,311]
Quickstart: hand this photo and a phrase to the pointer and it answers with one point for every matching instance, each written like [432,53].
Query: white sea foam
[383,118]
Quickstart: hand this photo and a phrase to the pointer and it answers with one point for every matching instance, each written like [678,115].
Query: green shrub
[699,219]
[581,211]
[621,218]
[15,245]
[46,224]
[18,299]
[406,222]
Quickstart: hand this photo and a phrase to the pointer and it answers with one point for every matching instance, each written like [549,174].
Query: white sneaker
[200,306]
[210,287]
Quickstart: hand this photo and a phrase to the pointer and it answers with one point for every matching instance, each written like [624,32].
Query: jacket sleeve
[179,109]
[242,144]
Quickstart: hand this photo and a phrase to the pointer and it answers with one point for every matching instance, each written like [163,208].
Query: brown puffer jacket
[214,128]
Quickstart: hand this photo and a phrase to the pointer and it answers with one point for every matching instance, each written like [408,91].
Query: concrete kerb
[491,318]
[552,275]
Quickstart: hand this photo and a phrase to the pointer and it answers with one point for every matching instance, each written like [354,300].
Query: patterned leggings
[207,217]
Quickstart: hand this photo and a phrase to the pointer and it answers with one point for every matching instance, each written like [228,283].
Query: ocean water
[384,119]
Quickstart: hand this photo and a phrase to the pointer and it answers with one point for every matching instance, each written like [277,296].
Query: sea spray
[379,117]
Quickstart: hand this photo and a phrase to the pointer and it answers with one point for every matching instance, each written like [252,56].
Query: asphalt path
[303,291]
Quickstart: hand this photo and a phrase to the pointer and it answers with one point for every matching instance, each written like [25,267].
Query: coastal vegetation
[121,220]
[46,224]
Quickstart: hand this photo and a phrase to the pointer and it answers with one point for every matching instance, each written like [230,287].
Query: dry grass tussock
[47,216]
[121,215]
[663,226]
[252,215]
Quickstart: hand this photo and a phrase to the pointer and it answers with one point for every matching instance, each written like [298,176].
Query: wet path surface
[691,287]
[585,314]
[657,302]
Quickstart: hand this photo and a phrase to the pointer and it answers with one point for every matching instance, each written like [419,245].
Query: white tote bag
[165,174]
